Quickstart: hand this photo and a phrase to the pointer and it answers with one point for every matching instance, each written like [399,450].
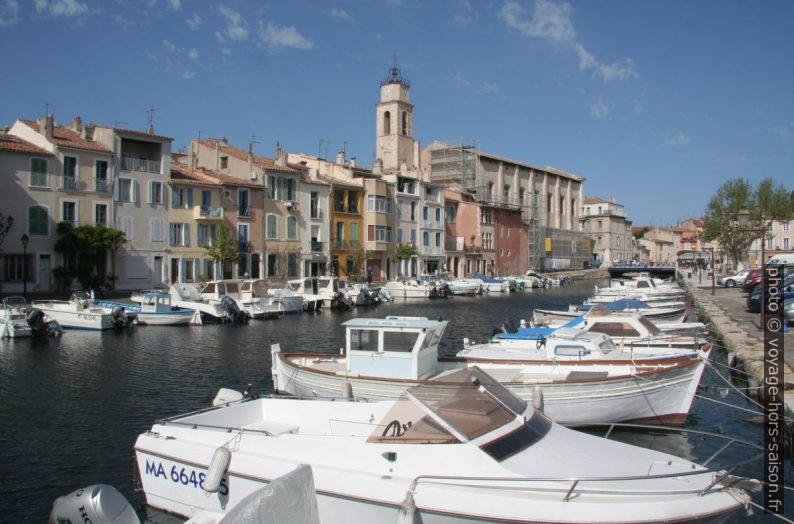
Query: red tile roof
[207,177]
[15,144]
[260,161]
[594,200]
[63,136]
[133,132]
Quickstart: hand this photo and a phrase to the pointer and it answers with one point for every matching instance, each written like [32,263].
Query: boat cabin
[393,347]
[330,285]
[619,323]
[217,289]
[254,289]
[156,302]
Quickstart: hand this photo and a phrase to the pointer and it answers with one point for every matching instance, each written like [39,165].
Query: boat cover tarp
[618,305]
[487,279]
[534,333]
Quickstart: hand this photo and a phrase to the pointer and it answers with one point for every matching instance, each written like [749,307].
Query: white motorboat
[334,293]
[80,312]
[14,318]
[465,286]
[306,288]
[407,288]
[256,298]
[211,310]
[155,309]
[641,285]
[383,357]
[464,450]
[655,315]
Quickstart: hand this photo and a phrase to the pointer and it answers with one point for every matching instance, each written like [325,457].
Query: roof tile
[14,144]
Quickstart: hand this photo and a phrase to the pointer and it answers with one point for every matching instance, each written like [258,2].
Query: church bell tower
[394,123]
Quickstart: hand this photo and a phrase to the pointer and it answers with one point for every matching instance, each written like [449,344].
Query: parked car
[754,278]
[734,280]
[754,299]
[788,311]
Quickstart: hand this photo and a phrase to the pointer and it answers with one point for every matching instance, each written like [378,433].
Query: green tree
[641,233]
[768,201]
[85,247]
[223,249]
[112,240]
[359,257]
[404,252]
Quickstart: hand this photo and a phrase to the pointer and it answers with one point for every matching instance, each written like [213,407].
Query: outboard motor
[41,325]
[120,318]
[233,310]
[98,503]
[340,301]
[445,291]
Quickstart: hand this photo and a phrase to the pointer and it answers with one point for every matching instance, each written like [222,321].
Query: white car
[734,280]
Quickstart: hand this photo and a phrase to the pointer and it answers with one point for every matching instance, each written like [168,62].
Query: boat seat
[273,427]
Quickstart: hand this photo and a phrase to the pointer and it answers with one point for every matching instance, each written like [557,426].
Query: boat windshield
[259,288]
[457,407]
[14,303]
[294,286]
[650,326]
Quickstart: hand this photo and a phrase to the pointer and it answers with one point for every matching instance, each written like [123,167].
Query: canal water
[71,408]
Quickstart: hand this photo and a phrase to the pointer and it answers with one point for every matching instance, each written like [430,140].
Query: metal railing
[102,185]
[243,246]
[69,182]
[316,247]
[129,163]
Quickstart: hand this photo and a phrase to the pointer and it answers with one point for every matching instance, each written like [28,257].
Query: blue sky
[656,103]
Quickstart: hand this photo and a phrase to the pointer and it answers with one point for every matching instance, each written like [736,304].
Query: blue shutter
[200,235]
[190,198]
[187,234]
[213,232]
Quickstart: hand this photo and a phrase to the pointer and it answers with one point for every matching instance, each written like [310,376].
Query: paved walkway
[727,311]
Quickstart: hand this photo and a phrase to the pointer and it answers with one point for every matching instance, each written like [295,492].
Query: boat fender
[537,398]
[541,342]
[406,511]
[217,469]
[226,396]
[347,389]
[95,504]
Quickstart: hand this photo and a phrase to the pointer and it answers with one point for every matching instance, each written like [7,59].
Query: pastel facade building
[605,223]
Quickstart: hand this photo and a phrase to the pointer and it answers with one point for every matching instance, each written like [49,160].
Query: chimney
[88,132]
[377,168]
[340,157]
[191,157]
[46,124]
[251,160]
[77,124]
[281,157]
[217,157]
[352,161]
[150,129]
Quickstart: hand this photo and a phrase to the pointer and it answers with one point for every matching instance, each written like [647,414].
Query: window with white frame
[292,228]
[487,240]
[101,175]
[379,204]
[156,192]
[179,234]
[38,172]
[487,215]
[438,239]
[69,212]
[126,223]
[378,233]
[206,234]
[786,226]
[242,237]
[69,166]
[426,239]
[243,202]
[101,214]
[272,226]
[786,244]
[181,198]
[125,191]
[38,221]
[271,187]
[18,267]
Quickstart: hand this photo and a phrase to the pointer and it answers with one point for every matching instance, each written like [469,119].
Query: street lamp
[25,240]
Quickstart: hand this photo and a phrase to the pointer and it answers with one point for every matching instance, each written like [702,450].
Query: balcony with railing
[431,250]
[243,246]
[244,211]
[453,243]
[317,247]
[207,213]
[129,163]
[70,183]
[350,245]
[102,185]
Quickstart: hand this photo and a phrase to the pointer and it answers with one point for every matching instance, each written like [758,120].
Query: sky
[655,103]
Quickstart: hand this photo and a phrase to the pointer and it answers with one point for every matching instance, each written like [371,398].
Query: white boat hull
[407,291]
[168,319]
[496,287]
[661,397]
[14,329]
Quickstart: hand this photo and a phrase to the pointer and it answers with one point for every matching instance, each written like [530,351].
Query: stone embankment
[581,274]
[726,313]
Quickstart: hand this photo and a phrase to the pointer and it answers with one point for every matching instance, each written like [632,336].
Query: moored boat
[155,309]
[79,312]
[14,318]
[461,450]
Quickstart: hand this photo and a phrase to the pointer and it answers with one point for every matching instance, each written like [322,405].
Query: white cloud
[552,21]
[457,81]
[174,5]
[275,37]
[599,108]
[236,29]
[194,22]
[464,14]
[56,8]
[341,14]
[784,132]
[488,88]
[193,54]
[170,46]
[637,106]
[679,139]
[187,75]
[549,20]
[173,60]
[9,12]
[226,51]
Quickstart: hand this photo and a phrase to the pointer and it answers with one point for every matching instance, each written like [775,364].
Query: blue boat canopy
[534,333]
[617,305]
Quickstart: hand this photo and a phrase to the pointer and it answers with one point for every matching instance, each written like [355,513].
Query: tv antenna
[150,117]
[254,140]
[47,108]
[322,150]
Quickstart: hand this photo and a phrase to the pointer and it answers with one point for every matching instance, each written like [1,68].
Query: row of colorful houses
[291,215]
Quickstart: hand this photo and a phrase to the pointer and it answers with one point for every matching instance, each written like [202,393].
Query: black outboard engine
[233,310]
[41,325]
[340,301]
[445,291]
[120,317]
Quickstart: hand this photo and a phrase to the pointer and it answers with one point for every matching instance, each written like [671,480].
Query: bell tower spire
[394,142]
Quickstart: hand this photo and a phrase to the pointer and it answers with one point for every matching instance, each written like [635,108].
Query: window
[426,239]
[314,204]
[242,237]
[363,340]
[224,162]
[38,221]
[156,229]
[438,214]
[379,233]
[379,204]
[179,234]
[425,213]
[38,172]
[126,224]
[206,234]
[125,190]
[413,236]
[405,123]
[487,215]
[243,203]
[413,211]
[562,206]
[573,207]
[521,196]
[292,265]
[272,226]
[18,267]
[339,201]
[69,213]
[487,240]
[289,190]
[101,214]
[399,210]
[271,187]
[600,225]
[272,265]
[206,199]
[354,233]
[352,204]
[506,194]
[386,123]
[438,239]
[69,166]
[399,235]
[101,175]
[785,242]
[242,265]
[181,197]
[451,212]
[292,228]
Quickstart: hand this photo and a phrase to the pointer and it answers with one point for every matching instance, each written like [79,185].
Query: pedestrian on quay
[369,276]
